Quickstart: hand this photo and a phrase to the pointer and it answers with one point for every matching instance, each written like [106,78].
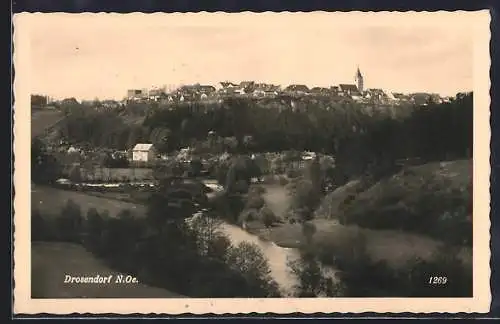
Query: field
[394,247]
[42,120]
[50,262]
[118,174]
[49,201]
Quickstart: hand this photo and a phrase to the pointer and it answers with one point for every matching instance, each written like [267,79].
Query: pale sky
[102,55]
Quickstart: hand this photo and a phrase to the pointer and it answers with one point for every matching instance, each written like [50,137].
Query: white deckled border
[482,296]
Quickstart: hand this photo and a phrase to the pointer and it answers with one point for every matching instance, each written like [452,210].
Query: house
[143,153]
[320,91]
[259,93]
[400,97]
[206,89]
[137,94]
[349,90]
[226,85]
[297,89]
[377,95]
[436,98]
[446,99]
[270,93]
[110,104]
[156,94]
[421,98]
[248,86]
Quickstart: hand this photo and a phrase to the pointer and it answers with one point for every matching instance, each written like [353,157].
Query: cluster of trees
[362,140]
[96,129]
[38,101]
[361,276]
[116,162]
[166,249]
[45,168]
[435,132]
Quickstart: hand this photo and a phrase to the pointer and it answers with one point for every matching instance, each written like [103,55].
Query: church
[358,78]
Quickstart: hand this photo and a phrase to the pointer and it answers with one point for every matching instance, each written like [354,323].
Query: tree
[45,168]
[75,175]
[254,201]
[248,142]
[311,281]
[70,222]
[94,230]
[195,167]
[267,216]
[207,230]
[230,143]
[308,230]
[315,176]
[38,101]
[305,199]
[39,228]
[251,263]
[135,135]
[160,138]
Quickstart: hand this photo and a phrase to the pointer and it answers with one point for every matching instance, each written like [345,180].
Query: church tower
[359,80]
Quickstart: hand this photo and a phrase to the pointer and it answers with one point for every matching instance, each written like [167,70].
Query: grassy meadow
[50,262]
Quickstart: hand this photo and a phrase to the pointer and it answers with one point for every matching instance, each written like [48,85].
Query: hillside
[44,119]
[409,214]
[434,199]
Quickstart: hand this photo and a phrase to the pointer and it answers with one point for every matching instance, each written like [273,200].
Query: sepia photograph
[238,157]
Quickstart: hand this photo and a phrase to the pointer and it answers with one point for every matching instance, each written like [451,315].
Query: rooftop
[142,147]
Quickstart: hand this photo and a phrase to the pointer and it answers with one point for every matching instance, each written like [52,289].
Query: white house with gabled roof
[143,153]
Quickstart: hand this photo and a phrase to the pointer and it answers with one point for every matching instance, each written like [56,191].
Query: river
[278,257]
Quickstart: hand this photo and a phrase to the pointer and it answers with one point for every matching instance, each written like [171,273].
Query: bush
[69,224]
[94,231]
[259,190]
[441,213]
[293,173]
[311,281]
[282,181]
[445,262]
[363,277]
[39,228]
[269,179]
[248,260]
[308,230]
[248,215]
[267,216]
[254,202]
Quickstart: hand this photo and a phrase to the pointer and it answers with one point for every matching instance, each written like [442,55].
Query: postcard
[233,163]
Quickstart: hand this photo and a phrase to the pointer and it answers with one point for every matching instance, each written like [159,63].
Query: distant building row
[254,90]
[356,92]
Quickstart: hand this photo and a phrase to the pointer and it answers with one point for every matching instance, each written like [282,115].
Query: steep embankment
[43,120]
[439,191]
[433,199]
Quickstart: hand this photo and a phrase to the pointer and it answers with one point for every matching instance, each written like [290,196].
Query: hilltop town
[355,92]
